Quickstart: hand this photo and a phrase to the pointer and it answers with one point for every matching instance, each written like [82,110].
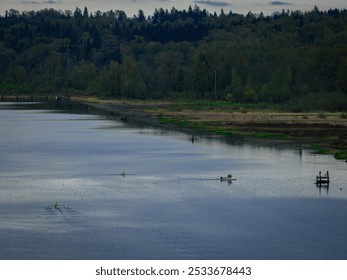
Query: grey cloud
[280,3]
[31,2]
[41,2]
[212,3]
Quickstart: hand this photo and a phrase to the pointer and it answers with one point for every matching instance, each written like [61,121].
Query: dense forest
[290,56]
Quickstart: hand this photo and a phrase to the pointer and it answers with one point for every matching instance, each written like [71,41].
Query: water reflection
[325,187]
[68,186]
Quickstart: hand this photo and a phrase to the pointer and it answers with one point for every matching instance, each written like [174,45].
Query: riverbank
[325,132]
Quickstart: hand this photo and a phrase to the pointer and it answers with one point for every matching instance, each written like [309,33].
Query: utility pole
[215,83]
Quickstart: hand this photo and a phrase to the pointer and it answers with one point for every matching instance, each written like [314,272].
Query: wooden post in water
[325,180]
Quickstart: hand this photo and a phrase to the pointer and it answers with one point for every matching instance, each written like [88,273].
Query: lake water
[63,195]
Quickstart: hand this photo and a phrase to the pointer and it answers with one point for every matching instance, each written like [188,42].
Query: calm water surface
[63,195]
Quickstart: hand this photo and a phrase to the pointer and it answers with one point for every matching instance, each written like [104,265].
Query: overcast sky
[131,7]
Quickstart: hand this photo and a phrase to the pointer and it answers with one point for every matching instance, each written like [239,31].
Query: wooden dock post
[325,180]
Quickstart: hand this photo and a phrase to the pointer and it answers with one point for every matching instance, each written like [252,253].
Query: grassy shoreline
[325,132]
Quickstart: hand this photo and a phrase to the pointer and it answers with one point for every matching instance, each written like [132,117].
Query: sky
[131,7]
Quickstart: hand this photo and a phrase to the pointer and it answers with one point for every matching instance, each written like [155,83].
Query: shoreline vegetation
[278,76]
[324,132]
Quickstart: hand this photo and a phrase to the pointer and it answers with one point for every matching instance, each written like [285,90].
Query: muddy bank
[324,131]
[126,112]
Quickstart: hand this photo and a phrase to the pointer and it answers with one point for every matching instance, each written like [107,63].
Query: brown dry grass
[328,128]
[164,108]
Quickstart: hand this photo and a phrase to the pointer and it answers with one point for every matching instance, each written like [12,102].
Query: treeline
[286,57]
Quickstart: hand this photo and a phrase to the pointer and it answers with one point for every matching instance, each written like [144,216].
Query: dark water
[63,195]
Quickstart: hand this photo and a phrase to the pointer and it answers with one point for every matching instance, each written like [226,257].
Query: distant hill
[287,57]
